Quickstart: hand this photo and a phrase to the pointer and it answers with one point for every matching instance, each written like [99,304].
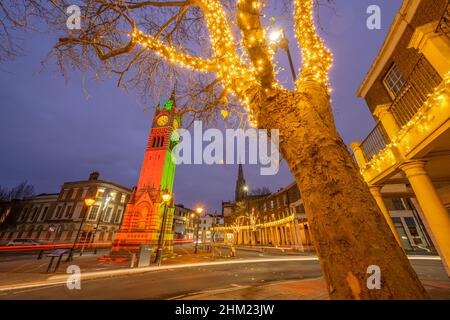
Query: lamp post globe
[199,211]
[166,196]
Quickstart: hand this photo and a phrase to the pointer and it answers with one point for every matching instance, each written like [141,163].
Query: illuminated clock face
[162,121]
[176,125]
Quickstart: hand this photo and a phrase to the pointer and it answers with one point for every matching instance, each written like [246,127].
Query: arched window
[162,142]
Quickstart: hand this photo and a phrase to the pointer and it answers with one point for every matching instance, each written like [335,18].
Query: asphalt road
[170,284]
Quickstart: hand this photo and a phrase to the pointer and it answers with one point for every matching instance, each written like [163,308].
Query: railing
[443,26]
[375,142]
[419,85]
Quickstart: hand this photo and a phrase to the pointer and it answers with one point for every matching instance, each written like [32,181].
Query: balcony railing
[419,85]
[375,142]
[444,24]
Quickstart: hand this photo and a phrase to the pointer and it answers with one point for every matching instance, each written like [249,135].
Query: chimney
[94,175]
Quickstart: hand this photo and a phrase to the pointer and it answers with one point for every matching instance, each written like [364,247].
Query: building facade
[206,225]
[279,220]
[56,218]
[183,223]
[407,91]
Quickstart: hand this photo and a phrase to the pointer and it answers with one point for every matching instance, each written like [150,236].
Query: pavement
[251,276]
[309,289]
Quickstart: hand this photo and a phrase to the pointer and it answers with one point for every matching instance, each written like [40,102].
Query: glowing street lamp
[100,217]
[275,36]
[88,202]
[277,39]
[199,211]
[166,196]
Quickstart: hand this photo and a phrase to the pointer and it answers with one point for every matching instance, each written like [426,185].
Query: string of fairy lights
[421,121]
[235,75]
[274,223]
[317,59]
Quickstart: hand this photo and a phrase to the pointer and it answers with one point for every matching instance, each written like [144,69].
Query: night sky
[52,131]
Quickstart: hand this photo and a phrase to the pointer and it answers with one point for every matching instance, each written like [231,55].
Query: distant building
[183,223]
[206,224]
[56,218]
[279,219]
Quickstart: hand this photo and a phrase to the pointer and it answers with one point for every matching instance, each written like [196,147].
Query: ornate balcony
[376,141]
[419,85]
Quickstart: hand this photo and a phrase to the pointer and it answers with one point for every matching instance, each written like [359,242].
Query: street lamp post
[166,196]
[88,202]
[199,211]
[278,40]
[100,217]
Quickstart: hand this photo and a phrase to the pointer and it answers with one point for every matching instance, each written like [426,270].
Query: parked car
[23,242]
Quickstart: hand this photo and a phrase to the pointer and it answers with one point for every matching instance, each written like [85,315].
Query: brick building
[407,91]
[56,218]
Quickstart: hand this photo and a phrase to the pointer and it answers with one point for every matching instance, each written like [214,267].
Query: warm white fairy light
[317,59]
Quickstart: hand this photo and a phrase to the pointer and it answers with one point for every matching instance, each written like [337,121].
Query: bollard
[41,253]
[133,258]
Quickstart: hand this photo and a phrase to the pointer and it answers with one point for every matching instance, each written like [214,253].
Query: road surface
[179,283]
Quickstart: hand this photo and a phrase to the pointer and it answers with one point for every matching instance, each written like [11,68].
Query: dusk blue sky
[52,131]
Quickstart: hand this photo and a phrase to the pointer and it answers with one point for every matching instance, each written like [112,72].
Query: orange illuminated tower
[142,220]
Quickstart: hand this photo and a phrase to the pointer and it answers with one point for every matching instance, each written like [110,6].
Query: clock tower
[142,221]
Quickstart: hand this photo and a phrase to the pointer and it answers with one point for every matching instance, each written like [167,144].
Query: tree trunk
[348,229]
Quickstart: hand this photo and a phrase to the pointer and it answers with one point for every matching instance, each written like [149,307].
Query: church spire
[241,186]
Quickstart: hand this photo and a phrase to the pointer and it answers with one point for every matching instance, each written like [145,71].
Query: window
[24,214]
[401,232]
[271,204]
[100,192]
[43,213]
[83,195]
[68,209]
[397,204]
[413,230]
[122,198]
[107,216]
[118,216]
[74,194]
[112,196]
[394,81]
[64,195]
[34,214]
[93,213]
[58,212]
